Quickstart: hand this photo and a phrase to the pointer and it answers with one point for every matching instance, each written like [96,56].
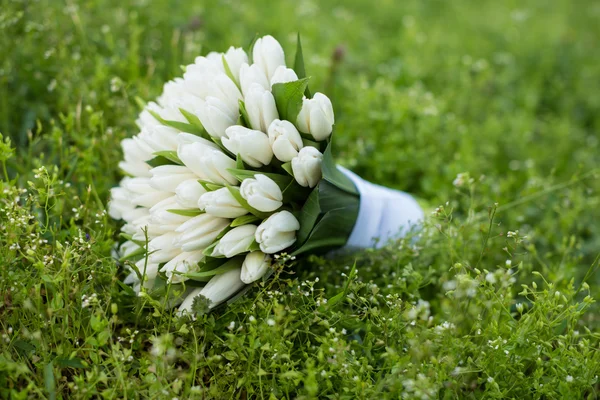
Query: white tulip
[182,264]
[283,75]
[277,232]
[159,138]
[147,120]
[188,192]
[316,117]
[199,232]
[143,194]
[148,270]
[168,177]
[135,157]
[161,215]
[217,290]
[216,116]
[253,146]
[268,54]
[208,162]
[251,74]
[235,58]
[307,167]
[120,202]
[161,248]
[219,86]
[285,140]
[262,193]
[221,203]
[235,242]
[255,266]
[261,108]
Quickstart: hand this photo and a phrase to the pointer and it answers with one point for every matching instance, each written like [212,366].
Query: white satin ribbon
[384,214]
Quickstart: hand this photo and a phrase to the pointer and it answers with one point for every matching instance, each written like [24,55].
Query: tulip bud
[307,166]
[268,55]
[143,194]
[200,232]
[168,177]
[188,192]
[221,203]
[120,202]
[148,270]
[284,139]
[216,116]
[252,74]
[261,108]
[235,58]
[255,266]
[217,290]
[262,193]
[253,146]
[161,215]
[316,117]
[283,75]
[135,156]
[207,161]
[235,242]
[182,264]
[277,232]
[161,248]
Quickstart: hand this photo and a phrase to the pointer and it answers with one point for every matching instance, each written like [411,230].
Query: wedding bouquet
[232,168]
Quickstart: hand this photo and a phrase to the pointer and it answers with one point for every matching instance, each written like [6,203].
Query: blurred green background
[506,91]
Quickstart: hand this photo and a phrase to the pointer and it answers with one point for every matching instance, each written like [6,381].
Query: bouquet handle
[384,214]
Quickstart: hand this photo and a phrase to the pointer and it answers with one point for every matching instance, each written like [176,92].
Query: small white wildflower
[569,378]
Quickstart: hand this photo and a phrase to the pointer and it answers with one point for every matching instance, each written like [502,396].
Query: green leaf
[294,193]
[243,220]
[334,175]
[235,192]
[74,362]
[49,381]
[170,155]
[186,213]
[239,163]
[209,186]
[240,174]
[245,119]
[181,126]
[194,120]
[310,143]
[159,160]
[287,167]
[299,64]
[136,253]
[228,71]
[228,265]
[288,98]
[308,216]
[140,102]
[250,49]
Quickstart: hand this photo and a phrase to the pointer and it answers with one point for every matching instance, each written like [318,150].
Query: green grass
[504,91]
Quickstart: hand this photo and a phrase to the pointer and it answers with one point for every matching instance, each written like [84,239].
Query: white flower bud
[216,116]
[161,215]
[283,75]
[285,140]
[207,161]
[316,117]
[159,138]
[235,58]
[255,266]
[235,242]
[221,203]
[261,108]
[188,192]
[200,232]
[307,167]
[277,232]
[120,203]
[268,54]
[252,74]
[182,264]
[135,156]
[217,290]
[253,146]
[143,194]
[161,248]
[262,193]
[168,177]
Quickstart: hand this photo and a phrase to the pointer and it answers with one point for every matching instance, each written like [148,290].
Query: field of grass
[494,299]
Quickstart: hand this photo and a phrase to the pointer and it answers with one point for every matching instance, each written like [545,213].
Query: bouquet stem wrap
[384,214]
